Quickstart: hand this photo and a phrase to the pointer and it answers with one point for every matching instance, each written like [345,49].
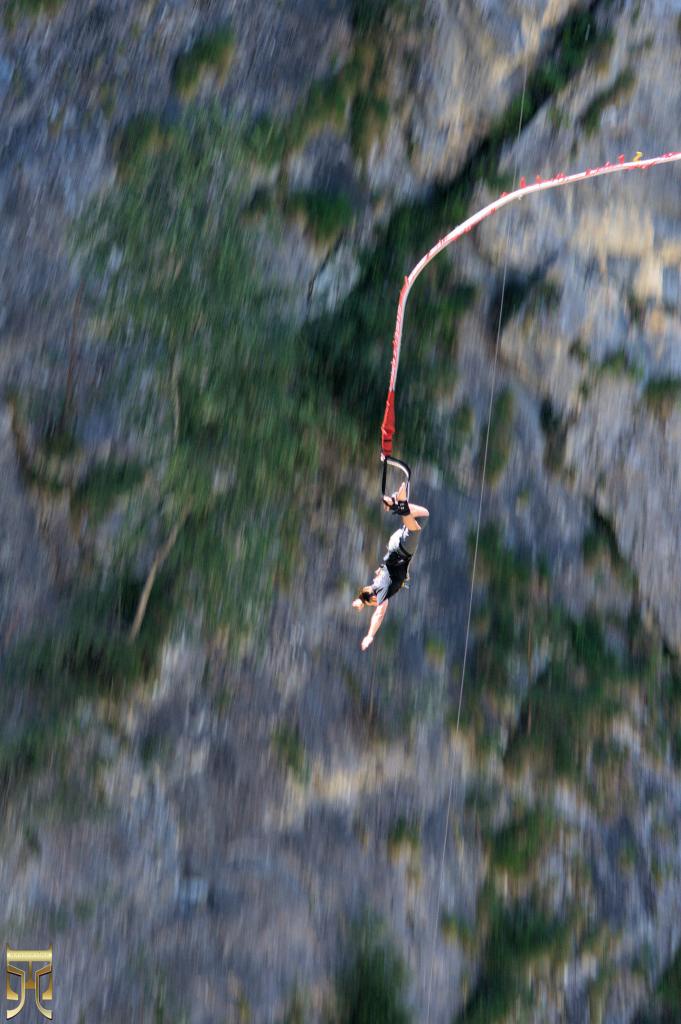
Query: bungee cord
[540,185]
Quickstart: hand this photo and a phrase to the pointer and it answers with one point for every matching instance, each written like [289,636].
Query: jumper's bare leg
[415,511]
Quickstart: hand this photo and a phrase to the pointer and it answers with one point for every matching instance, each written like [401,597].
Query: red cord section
[388,426]
[540,185]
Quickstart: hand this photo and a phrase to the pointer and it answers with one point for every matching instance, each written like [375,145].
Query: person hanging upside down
[394,570]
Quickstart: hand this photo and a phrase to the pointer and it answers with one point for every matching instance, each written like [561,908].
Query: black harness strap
[390,460]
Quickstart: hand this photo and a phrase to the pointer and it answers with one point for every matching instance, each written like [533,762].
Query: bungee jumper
[393,572]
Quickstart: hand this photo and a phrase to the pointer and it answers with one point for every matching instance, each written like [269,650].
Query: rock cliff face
[477,56]
[613,253]
[213,835]
[24,569]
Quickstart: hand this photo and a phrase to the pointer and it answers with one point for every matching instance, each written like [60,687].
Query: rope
[558,181]
[475,560]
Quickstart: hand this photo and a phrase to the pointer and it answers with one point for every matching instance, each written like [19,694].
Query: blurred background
[214,805]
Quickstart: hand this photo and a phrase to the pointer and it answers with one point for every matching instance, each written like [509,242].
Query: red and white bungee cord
[540,185]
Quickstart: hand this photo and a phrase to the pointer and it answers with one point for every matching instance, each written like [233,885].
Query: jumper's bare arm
[375,624]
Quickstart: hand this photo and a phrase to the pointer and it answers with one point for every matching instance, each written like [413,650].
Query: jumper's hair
[366,594]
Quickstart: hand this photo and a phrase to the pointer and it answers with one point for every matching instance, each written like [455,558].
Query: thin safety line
[475,558]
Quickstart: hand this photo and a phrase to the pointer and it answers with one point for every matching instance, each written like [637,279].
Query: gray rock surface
[180,867]
[26,575]
[478,54]
[602,244]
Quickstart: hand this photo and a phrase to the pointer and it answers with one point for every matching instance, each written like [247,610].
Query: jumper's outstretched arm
[375,624]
